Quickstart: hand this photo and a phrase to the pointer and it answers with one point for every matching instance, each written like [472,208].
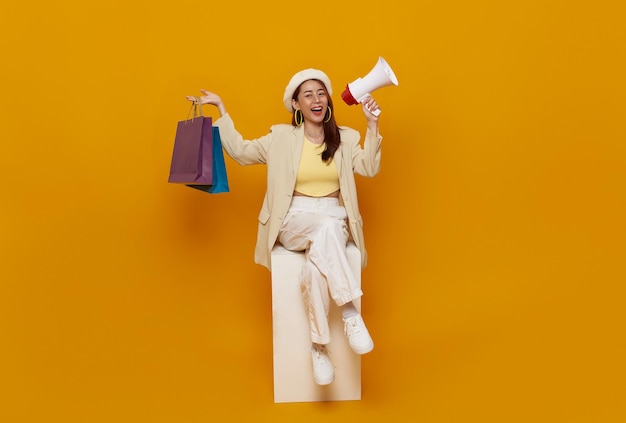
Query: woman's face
[312,100]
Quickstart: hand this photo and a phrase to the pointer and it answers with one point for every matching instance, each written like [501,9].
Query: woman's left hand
[369,106]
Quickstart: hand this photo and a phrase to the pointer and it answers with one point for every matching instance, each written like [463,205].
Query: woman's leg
[318,226]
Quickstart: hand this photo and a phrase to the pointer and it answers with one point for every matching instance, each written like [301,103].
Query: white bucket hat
[299,78]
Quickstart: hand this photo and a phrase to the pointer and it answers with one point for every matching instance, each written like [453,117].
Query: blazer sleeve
[244,152]
[366,159]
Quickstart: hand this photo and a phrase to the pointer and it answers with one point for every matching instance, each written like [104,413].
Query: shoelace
[321,354]
[352,327]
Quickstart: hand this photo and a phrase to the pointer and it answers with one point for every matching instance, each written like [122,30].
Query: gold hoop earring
[298,117]
[330,114]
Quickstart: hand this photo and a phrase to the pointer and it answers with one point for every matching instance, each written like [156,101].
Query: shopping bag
[198,159]
[219,176]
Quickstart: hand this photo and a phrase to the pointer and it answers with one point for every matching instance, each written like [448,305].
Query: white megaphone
[380,76]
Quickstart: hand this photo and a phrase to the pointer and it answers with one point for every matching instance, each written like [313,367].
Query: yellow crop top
[315,177]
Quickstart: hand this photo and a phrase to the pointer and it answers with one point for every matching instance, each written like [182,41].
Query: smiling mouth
[316,110]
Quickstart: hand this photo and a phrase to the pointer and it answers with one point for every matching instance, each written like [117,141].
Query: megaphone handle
[363,97]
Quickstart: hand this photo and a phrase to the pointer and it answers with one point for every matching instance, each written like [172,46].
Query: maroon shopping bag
[192,158]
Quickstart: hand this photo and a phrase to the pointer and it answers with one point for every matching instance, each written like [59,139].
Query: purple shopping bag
[192,158]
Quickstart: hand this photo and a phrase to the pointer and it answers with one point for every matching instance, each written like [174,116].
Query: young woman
[311,200]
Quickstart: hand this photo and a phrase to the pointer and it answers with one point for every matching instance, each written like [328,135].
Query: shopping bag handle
[195,106]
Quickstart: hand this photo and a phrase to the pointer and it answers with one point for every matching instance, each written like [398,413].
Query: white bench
[293,373]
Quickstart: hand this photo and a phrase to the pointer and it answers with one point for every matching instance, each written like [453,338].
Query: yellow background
[495,287]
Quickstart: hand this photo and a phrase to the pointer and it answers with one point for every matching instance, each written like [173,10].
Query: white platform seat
[293,373]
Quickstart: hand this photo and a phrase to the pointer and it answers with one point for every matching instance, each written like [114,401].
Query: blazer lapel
[296,148]
[338,158]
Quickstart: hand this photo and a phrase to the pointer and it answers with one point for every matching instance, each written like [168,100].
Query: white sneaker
[323,371]
[358,336]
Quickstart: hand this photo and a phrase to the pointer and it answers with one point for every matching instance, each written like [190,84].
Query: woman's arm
[243,151]
[369,106]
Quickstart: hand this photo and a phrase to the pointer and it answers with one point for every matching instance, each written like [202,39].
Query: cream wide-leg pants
[318,227]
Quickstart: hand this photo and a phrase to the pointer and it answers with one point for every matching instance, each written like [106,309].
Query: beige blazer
[280,151]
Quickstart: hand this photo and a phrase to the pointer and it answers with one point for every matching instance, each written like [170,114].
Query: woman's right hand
[209,98]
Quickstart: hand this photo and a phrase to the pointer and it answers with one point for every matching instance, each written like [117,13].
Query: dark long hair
[331,130]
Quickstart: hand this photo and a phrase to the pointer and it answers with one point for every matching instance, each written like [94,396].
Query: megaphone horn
[380,76]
